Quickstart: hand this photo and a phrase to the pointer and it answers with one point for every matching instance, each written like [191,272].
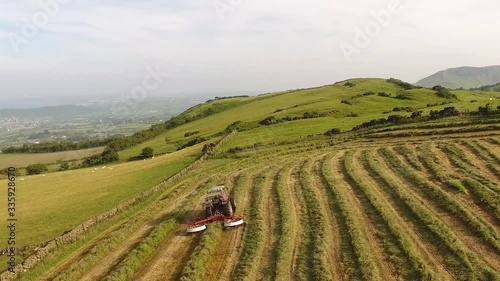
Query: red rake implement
[231,221]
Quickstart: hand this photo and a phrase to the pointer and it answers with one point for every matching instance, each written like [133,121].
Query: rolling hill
[463,77]
[400,201]
[489,88]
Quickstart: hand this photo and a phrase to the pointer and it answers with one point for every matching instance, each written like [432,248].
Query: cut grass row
[461,161]
[489,144]
[134,259]
[489,159]
[200,258]
[409,262]
[286,227]
[253,241]
[266,269]
[410,156]
[435,165]
[483,195]
[104,245]
[114,239]
[494,141]
[455,253]
[444,200]
[433,132]
[313,254]
[458,121]
[365,261]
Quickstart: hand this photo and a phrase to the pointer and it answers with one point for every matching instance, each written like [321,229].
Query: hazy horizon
[66,48]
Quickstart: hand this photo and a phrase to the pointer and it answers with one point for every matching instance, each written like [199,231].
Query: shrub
[188,134]
[403,95]
[444,93]
[402,84]
[270,121]
[446,112]
[332,132]
[192,142]
[36,169]
[109,156]
[64,166]
[308,115]
[416,114]
[147,152]
[208,148]
[487,110]
[240,126]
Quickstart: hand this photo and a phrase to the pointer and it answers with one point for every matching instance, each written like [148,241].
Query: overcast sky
[91,47]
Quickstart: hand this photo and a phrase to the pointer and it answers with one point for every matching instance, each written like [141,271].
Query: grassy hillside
[291,161]
[490,88]
[463,77]
[51,204]
[210,119]
[411,202]
[325,100]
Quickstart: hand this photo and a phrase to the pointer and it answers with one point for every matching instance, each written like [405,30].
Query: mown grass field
[417,201]
[392,208]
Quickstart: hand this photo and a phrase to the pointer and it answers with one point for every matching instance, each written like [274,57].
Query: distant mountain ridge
[463,77]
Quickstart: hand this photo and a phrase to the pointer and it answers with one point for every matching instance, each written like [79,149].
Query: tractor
[219,206]
[218,199]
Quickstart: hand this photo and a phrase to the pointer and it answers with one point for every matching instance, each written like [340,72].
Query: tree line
[48,147]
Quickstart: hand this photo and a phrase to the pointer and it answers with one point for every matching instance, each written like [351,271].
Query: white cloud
[260,45]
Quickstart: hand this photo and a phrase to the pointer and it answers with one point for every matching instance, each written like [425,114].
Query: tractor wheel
[227,209]
[232,204]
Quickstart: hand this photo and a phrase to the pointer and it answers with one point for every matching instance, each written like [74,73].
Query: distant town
[85,120]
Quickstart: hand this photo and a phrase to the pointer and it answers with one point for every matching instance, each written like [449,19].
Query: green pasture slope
[24,160]
[326,99]
[48,205]
[51,204]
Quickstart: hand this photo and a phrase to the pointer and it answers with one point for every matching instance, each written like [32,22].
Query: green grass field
[23,160]
[296,103]
[305,172]
[51,204]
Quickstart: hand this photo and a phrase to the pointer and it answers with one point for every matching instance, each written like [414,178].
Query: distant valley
[86,120]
